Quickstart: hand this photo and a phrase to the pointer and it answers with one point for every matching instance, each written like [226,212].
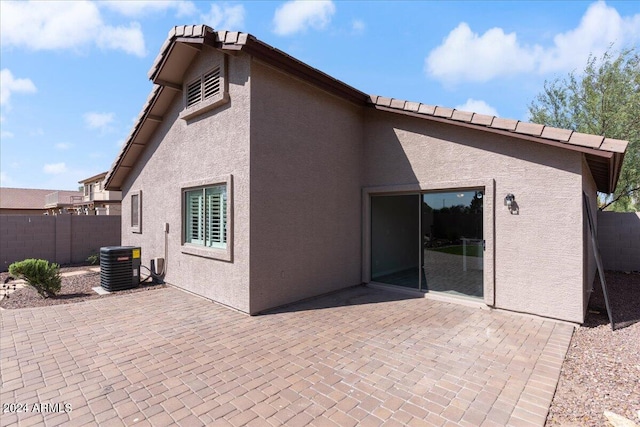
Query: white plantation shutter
[206,216]
[194,232]
[215,217]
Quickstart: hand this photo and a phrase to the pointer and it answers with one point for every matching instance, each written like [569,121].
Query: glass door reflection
[453,243]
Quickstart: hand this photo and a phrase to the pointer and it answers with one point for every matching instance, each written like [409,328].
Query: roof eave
[613,159]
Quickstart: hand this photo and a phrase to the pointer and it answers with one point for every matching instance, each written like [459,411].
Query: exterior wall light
[510,203]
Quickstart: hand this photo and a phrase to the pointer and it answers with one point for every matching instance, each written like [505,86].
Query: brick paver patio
[361,357]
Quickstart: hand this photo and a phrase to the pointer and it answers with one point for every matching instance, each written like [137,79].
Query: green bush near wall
[43,276]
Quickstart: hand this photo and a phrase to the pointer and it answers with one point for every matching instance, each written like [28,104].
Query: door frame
[488,222]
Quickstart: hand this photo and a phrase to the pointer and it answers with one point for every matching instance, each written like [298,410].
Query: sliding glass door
[453,253]
[395,240]
[432,241]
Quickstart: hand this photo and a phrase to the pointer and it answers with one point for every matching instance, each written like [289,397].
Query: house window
[136,212]
[204,88]
[205,218]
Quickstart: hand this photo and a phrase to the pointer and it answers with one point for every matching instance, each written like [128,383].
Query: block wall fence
[62,239]
[619,240]
[68,239]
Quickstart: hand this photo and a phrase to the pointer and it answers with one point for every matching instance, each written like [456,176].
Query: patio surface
[362,356]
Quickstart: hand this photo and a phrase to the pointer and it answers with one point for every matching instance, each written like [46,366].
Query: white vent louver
[194,92]
[211,84]
[203,89]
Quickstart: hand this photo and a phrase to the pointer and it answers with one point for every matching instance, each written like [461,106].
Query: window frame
[136,228]
[223,253]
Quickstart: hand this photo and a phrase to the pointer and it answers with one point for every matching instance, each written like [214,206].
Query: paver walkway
[363,356]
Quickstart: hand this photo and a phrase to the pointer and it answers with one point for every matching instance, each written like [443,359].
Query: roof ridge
[520,127]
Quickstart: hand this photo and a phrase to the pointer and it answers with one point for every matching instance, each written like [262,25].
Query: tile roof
[29,198]
[514,126]
[604,155]
[98,177]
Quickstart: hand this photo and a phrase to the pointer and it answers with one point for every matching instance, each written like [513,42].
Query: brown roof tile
[397,103]
[385,102]
[614,145]
[443,112]
[482,119]
[504,124]
[529,128]
[412,106]
[556,134]
[462,116]
[427,109]
[585,140]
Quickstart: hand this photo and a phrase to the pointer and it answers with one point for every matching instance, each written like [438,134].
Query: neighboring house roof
[604,155]
[98,177]
[29,198]
[22,198]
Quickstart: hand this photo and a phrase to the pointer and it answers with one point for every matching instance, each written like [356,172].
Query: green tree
[604,99]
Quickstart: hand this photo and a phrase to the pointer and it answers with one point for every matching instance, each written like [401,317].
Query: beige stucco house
[263,181]
[95,199]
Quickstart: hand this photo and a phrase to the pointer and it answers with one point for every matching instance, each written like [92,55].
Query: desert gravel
[74,289]
[601,371]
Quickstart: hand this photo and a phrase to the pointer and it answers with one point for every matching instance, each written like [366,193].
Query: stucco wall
[62,239]
[538,253]
[305,190]
[211,145]
[619,240]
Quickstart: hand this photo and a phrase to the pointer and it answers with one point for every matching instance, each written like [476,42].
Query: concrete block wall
[90,233]
[619,240]
[62,239]
[26,236]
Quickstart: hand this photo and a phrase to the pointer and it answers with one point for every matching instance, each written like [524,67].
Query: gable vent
[204,88]
[194,92]
[211,83]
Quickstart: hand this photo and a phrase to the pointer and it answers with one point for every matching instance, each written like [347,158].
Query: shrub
[93,259]
[40,274]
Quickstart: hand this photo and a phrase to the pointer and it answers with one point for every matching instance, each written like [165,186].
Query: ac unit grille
[119,267]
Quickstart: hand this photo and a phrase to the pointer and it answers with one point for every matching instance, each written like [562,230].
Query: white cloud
[141,7]
[600,26]
[55,168]
[478,106]
[98,120]
[5,134]
[72,25]
[129,39]
[9,85]
[225,17]
[298,15]
[358,26]
[63,146]
[465,55]
[36,132]
[468,56]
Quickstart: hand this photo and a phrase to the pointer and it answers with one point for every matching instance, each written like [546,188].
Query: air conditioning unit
[119,267]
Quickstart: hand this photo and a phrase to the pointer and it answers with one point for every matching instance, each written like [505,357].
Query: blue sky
[74,74]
